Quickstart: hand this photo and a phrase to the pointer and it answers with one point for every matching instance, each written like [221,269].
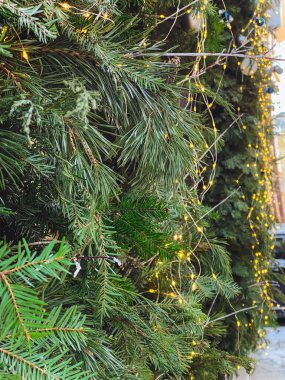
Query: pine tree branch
[14,301]
[32,263]
[29,20]
[205,54]
[11,75]
[60,329]
[68,52]
[87,149]
[43,242]
[28,363]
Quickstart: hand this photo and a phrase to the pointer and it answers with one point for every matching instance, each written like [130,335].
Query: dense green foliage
[240,176]
[100,165]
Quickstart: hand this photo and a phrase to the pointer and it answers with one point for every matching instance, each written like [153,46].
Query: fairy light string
[260,210]
[260,216]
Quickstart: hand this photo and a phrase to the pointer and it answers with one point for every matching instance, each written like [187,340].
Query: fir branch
[27,18]
[14,302]
[12,75]
[30,364]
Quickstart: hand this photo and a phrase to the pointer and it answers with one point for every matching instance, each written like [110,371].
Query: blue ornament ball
[227,17]
[268,90]
[259,21]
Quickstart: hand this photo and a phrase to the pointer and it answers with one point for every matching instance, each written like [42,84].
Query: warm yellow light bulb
[65,6]
[25,55]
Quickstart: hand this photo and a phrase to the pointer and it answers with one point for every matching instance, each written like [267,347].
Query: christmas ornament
[227,17]
[259,21]
[248,66]
[192,22]
[277,69]
[268,90]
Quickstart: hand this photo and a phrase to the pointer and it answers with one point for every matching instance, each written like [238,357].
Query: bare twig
[205,54]
[228,315]
[218,205]
[220,136]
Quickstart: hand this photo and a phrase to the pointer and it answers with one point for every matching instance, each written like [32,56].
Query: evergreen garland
[102,150]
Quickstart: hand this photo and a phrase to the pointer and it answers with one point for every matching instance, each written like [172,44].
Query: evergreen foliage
[99,159]
[239,175]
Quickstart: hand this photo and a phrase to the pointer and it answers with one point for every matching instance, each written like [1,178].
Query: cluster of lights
[260,213]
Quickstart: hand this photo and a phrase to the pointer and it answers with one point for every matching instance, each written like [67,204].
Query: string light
[263,197]
[260,165]
[25,55]
[65,6]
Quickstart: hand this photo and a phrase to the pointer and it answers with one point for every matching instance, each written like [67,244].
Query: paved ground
[270,362]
